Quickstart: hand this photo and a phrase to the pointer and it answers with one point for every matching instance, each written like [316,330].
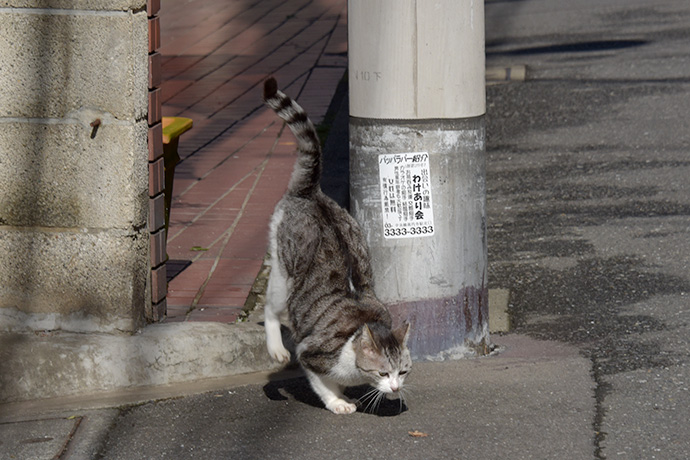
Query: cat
[320,272]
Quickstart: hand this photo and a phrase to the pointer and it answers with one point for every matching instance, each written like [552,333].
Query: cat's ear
[402,334]
[368,343]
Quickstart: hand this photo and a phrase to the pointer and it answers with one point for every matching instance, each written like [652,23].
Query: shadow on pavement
[300,390]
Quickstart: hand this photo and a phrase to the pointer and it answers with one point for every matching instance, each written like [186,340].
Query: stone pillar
[74,238]
[417,165]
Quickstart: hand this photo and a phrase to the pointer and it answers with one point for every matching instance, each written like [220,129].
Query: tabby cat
[320,272]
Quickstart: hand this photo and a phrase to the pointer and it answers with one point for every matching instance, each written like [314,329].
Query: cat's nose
[395,385]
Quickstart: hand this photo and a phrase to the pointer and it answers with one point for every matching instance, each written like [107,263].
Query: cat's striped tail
[306,175]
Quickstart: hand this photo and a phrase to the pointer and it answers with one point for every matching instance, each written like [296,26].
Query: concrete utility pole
[417,164]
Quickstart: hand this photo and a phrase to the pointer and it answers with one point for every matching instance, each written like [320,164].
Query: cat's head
[382,356]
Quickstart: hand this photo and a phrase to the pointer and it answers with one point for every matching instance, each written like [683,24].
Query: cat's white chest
[345,371]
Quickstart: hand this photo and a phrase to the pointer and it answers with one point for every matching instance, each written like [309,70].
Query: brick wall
[156,170]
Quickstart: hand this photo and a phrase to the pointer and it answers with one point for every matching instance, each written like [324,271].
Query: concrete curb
[62,364]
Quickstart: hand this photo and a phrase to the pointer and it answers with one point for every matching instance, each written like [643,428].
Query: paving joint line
[258,106]
[235,123]
[299,54]
[77,422]
[266,56]
[226,193]
[224,160]
[235,57]
[229,232]
[322,53]
[249,26]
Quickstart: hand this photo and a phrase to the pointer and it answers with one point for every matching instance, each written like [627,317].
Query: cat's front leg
[274,342]
[274,338]
[276,297]
[331,394]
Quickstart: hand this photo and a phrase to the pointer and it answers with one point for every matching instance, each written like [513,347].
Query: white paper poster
[406,195]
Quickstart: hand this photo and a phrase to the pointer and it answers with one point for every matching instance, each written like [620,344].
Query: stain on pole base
[449,328]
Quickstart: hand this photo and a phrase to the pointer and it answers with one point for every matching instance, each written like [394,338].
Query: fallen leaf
[417,434]
[199,248]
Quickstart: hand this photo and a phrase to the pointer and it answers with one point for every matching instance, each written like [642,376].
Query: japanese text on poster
[406,195]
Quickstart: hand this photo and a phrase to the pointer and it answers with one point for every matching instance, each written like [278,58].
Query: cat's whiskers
[379,397]
[372,398]
[367,398]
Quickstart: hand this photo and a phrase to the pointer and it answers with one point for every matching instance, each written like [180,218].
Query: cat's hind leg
[330,393]
[276,298]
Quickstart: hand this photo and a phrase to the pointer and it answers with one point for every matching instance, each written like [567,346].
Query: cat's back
[315,232]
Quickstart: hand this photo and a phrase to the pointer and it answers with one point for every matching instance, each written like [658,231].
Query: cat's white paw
[279,353]
[274,342]
[340,406]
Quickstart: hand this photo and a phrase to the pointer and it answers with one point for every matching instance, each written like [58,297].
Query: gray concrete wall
[74,204]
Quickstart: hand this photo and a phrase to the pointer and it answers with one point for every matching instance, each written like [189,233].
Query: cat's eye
[402,373]
[383,374]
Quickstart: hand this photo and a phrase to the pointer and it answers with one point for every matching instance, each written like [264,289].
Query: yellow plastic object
[174,127]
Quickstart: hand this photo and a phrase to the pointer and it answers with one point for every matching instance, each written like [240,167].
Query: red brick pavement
[237,159]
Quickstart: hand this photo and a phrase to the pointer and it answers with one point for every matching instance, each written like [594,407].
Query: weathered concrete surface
[437,282]
[410,60]
[61,364]
[39,439]
[85,281]
[73,213]
[424,267]
[66,177]
[74,206]
[59,61]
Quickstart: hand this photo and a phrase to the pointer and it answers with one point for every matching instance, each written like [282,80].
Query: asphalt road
[533,401]
[589,201]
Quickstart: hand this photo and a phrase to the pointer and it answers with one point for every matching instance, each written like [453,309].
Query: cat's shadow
[300,389]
